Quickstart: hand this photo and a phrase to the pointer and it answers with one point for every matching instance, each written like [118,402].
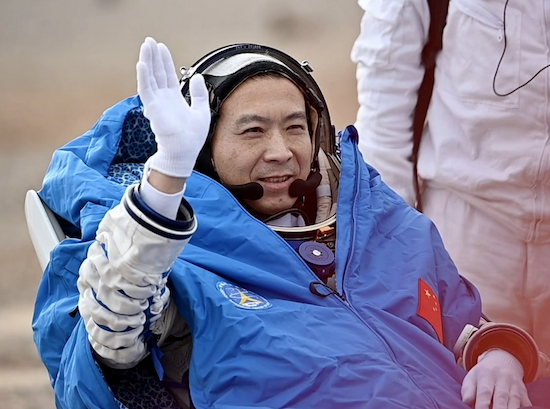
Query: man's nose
[277,149]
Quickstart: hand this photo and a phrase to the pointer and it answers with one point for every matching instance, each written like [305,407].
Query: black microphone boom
[255,191]
[302,187]
[248,191]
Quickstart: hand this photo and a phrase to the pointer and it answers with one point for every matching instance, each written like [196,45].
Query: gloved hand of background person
[180,129]
[497,377]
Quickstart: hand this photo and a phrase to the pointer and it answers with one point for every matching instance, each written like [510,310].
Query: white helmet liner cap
[236,62]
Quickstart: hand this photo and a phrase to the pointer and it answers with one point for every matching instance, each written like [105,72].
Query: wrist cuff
[180,229]
[507,337]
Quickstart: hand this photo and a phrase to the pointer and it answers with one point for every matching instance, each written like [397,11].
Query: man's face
[262,136]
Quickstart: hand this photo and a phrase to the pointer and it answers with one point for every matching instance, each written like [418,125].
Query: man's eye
[253,130]
[297,128]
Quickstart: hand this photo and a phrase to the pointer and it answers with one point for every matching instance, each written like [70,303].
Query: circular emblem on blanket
[243,298]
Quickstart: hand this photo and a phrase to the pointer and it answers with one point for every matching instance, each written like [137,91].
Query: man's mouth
[275,179]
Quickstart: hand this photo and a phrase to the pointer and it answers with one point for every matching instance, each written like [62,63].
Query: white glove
[180,130]
[497,377]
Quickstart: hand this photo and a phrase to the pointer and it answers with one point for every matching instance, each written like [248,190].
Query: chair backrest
[44,229]
[137,143]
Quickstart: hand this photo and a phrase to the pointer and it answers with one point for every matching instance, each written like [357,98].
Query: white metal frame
[44,229]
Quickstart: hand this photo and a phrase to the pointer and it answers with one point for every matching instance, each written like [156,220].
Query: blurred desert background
[63,62]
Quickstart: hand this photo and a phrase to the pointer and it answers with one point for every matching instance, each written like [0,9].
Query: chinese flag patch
[429,308]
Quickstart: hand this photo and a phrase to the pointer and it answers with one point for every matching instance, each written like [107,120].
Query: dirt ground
[62,63]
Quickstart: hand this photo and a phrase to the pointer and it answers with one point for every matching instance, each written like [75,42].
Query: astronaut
[222,279]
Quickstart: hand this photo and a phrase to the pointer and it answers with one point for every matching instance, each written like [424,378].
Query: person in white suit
[484,158]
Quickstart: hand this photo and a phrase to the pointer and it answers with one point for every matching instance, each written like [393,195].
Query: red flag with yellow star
[429,308]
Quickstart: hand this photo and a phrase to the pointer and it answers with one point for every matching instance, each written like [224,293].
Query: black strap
[438,17]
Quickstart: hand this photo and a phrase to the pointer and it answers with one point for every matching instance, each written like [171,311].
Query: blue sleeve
[60,335]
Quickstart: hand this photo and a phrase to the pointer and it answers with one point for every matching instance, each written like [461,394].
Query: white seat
[44,229]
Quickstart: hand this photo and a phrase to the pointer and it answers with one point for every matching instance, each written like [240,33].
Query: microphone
[302,187]
[248,191]
[255,191]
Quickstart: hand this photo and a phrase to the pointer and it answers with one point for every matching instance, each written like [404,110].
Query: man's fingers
[502,396]
[168,66]
[510,395]
[146,58]
[144,82]
[157,67]
[524,397]
[468,389]
[483,396]
[145,53]
[514,402]
[199,94]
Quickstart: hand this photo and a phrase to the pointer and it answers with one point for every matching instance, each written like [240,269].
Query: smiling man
[264,140]
[220,279]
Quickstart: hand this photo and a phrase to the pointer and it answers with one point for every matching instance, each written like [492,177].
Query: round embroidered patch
[243,298]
